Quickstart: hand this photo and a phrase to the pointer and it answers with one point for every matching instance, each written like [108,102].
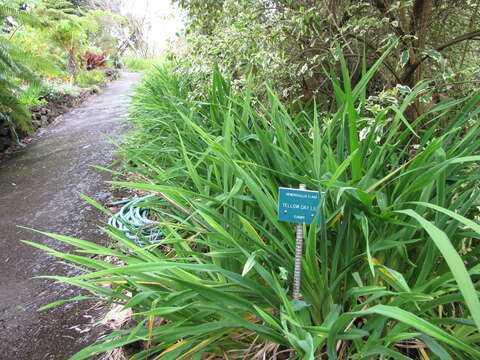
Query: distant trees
[106,5]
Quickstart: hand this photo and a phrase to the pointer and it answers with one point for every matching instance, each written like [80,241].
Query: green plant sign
[299,206]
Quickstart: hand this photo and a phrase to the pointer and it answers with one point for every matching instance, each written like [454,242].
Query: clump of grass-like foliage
[141,64]
[392,274]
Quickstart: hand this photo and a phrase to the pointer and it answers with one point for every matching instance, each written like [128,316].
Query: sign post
[297,273]
[299,206]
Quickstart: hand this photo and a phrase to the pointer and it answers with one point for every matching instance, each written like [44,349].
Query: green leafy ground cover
[392,274]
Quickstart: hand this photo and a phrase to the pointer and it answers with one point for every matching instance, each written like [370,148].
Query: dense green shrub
[288,43]
[392,272]
[51,89]
[46,90]
[31,95]
[86,79]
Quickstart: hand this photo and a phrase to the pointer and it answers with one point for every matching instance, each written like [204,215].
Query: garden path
[38,189]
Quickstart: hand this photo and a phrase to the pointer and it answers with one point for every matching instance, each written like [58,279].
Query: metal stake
[297,273]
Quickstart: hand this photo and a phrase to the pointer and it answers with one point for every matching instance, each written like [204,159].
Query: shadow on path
[37,189]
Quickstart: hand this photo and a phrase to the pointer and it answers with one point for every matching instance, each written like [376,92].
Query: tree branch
[468,36]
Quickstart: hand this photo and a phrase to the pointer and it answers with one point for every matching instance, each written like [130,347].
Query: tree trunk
[422,10]
[72,65]
[412,73]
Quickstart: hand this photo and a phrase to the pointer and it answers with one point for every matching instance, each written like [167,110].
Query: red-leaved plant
[94,61]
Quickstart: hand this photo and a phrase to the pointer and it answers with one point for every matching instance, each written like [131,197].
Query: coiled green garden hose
[133,221]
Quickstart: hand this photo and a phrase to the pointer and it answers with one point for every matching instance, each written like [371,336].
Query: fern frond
[14,110]
[22,17]
[14,68]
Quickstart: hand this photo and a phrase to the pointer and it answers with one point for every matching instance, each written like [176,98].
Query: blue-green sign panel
[299,206]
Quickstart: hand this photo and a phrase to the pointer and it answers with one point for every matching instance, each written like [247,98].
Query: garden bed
[43,115]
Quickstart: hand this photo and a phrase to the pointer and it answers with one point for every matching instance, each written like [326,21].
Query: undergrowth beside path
[392,273]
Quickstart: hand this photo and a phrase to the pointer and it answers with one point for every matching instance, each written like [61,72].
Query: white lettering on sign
[298,206]
[303,195]
[291,206]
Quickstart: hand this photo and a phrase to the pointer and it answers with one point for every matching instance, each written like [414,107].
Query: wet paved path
[37,189]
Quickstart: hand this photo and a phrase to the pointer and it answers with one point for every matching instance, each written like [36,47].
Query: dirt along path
[37,190]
